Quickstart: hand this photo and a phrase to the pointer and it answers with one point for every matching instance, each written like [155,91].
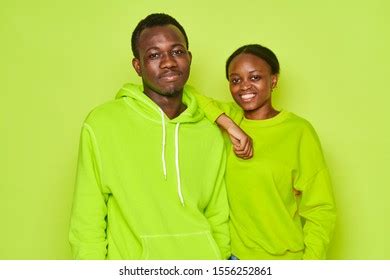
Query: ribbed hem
[259,254]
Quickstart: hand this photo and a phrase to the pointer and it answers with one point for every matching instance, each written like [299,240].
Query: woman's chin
[248,106]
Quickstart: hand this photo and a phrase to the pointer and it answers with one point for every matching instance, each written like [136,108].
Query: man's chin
[172,91]
[168,90]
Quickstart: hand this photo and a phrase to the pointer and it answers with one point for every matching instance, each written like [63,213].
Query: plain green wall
[59,59]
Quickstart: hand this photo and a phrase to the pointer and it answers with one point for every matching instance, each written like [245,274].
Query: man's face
[164,61]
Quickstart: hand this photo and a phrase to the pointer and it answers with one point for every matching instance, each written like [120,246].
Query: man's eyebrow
[178,45]
[151,48]
[172,46]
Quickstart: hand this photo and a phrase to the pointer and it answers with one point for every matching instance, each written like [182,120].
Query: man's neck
[172,106]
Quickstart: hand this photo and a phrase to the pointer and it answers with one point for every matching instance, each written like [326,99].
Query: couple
[151,170]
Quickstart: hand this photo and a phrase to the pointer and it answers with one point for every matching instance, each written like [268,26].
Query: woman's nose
[245,85]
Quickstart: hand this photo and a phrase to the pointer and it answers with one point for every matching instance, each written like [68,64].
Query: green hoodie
[149,187]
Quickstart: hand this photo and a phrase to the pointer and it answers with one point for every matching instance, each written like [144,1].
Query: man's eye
[153,55]
[178,52]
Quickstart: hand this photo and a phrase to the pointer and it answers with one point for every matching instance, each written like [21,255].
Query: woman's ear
[274,81]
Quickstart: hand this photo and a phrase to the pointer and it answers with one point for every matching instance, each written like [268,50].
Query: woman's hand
[242,143]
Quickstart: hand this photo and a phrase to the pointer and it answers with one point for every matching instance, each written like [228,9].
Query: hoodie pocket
[182,246]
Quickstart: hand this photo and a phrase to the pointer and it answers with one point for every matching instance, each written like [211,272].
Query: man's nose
[168,61]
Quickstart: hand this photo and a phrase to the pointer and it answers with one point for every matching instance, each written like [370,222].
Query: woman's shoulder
[301,123]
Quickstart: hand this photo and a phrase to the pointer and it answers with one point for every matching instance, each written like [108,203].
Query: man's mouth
[170,76]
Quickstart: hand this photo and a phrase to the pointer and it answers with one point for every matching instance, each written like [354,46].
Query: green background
[59,59]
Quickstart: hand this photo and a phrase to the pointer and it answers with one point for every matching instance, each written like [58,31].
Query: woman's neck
[262,113]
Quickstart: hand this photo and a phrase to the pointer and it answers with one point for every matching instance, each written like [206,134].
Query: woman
[281,200]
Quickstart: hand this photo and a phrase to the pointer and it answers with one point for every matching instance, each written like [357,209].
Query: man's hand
[242,143]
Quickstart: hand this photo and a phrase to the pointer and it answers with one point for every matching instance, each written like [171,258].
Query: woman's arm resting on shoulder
[242,143]
[223,114]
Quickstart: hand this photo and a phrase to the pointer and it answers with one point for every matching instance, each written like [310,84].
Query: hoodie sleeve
[213,108]
[87,233]
[317,205]
[217,211]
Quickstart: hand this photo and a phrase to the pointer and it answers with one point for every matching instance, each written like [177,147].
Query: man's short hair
[158,19]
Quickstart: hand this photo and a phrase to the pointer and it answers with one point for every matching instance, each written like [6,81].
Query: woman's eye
[255,78]
[234,81]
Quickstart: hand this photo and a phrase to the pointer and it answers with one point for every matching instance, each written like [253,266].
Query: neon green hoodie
[281,200]
[149,187]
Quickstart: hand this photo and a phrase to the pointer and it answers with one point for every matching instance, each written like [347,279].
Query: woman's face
[251,83]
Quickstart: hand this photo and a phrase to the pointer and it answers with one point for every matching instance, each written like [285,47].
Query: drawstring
[177,164]
[163,144]
[176,155]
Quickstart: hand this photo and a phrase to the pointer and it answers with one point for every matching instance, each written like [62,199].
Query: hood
[152,111]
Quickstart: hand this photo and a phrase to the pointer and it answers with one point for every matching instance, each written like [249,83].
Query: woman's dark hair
[152,20]
[257,50]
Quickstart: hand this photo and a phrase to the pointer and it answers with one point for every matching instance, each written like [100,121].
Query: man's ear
[190,55]
[137,65]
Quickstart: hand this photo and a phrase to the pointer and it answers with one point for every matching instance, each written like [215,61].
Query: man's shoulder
[209,130]
[105,112]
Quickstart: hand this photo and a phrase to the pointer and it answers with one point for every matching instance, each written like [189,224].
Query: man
[150,180]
